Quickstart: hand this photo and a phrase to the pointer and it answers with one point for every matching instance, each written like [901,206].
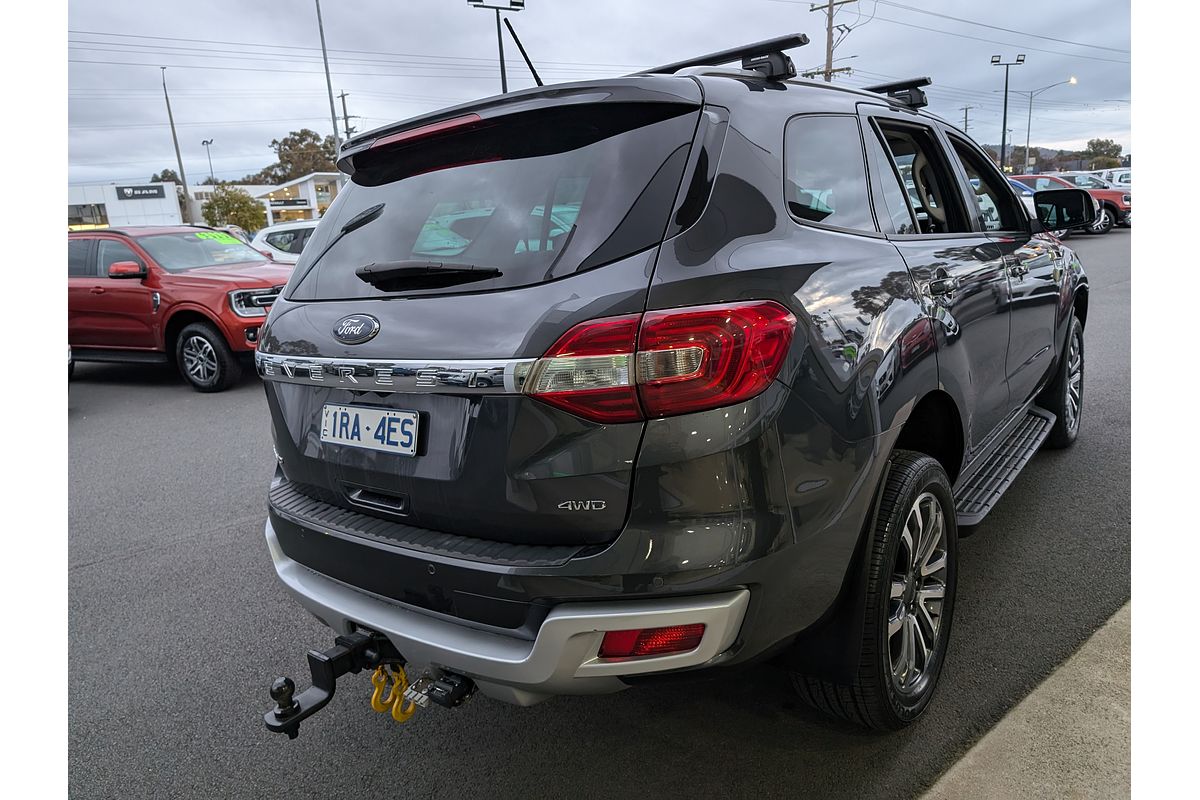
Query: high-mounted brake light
[426,130]
[664,363]
[644,642]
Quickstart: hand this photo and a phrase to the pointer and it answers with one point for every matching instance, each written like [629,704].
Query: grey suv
[604,383]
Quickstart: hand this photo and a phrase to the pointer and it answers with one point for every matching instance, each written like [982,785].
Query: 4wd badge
[583,505]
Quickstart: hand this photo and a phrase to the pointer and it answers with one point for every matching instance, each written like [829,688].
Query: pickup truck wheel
[1104,221]
[911,580]
[204,359]
[1064,396]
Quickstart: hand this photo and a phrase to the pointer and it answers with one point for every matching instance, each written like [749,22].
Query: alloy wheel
[200,360]
[1074,402]
[918,592]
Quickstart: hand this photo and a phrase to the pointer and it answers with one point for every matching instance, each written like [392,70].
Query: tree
[168,175]
[300,153]
[1102,148]
[231,206]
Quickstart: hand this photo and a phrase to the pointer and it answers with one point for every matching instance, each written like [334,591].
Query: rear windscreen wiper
[394,276]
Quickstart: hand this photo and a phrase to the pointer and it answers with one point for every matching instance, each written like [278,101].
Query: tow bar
[353,653]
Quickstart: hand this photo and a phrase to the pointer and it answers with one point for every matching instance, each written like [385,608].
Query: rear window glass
[825,175]
[175,252]
[537,195]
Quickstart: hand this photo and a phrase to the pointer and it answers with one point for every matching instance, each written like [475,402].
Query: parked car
[154,294]
[284,242]
[1119,178]
[1114,203]
[725,416]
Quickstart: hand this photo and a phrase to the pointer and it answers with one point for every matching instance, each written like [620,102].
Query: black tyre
[911,579]
[1104,221]
[204,359]
[1064,396]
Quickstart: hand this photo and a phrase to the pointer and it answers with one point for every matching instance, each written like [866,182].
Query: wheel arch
[179,319]
[935,428]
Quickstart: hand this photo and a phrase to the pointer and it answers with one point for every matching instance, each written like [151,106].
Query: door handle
[97,290]
[943,285]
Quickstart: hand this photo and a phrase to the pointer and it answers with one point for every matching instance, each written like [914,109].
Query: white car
[1119,178]
[284,242]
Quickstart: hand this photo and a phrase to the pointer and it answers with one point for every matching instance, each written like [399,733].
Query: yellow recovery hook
[396,702]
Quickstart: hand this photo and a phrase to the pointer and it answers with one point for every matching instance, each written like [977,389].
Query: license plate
[372,428]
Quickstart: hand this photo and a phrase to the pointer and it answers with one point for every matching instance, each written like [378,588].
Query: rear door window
[825,176]
[536,195]
[288,241]
[78,265]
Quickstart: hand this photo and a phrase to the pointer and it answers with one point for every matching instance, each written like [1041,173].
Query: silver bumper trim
[561,660]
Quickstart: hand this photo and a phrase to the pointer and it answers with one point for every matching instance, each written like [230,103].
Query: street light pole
[187,210]
[1029,122]
[337,137]
[996,60]
[207,143]
[513,5]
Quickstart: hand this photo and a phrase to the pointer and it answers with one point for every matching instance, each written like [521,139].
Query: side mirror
[126,269]
[1064,209]
[268,254]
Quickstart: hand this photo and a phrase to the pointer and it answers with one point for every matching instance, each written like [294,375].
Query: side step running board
[979,494]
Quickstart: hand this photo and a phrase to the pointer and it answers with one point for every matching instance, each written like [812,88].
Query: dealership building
[91,206]
[101,205]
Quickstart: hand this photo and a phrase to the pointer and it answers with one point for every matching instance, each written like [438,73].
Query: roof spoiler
[766,57]
[906,92]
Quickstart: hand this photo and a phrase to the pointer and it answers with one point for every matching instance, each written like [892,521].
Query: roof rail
[906,92]
[765,57]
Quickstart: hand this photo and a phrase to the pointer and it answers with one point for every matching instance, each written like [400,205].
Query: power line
[421,56]
[997,27]
[1023,47]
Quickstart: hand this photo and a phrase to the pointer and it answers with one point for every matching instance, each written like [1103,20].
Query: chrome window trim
[454,376]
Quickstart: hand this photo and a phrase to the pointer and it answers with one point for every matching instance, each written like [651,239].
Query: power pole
[829,7]
[346,116]
[337,137]
[966,122]
[187,211]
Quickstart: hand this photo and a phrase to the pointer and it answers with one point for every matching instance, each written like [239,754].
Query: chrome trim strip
[462,376]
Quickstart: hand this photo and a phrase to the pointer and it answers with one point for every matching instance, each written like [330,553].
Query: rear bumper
[560,659]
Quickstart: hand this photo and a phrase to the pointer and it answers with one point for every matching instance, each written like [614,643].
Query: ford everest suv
[611,382]
[189,295]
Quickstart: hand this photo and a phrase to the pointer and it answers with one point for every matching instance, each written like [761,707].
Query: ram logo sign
[583,505]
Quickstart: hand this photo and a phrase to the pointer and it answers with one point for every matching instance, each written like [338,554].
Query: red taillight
[651,641]
[741,347]
[589,371]
[663,363]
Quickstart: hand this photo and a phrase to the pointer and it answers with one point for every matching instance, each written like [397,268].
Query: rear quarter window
[825,176]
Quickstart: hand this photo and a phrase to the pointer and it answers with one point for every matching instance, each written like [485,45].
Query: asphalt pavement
[177,626]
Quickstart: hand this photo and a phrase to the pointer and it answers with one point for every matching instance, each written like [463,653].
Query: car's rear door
[959,270]
[564,204]
[81,278]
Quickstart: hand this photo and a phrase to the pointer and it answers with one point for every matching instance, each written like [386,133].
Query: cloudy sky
[243,73]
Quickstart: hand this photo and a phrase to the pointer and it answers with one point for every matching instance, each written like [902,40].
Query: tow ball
[351,653]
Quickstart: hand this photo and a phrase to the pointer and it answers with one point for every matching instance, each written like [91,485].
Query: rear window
[537,195]
[176,252]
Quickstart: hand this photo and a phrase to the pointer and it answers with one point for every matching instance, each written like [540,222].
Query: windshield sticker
[218,236]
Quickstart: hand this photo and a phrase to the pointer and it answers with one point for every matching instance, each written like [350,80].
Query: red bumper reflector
[644,642]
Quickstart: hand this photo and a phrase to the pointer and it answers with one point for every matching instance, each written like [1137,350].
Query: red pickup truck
[187,295]
[1114,203]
